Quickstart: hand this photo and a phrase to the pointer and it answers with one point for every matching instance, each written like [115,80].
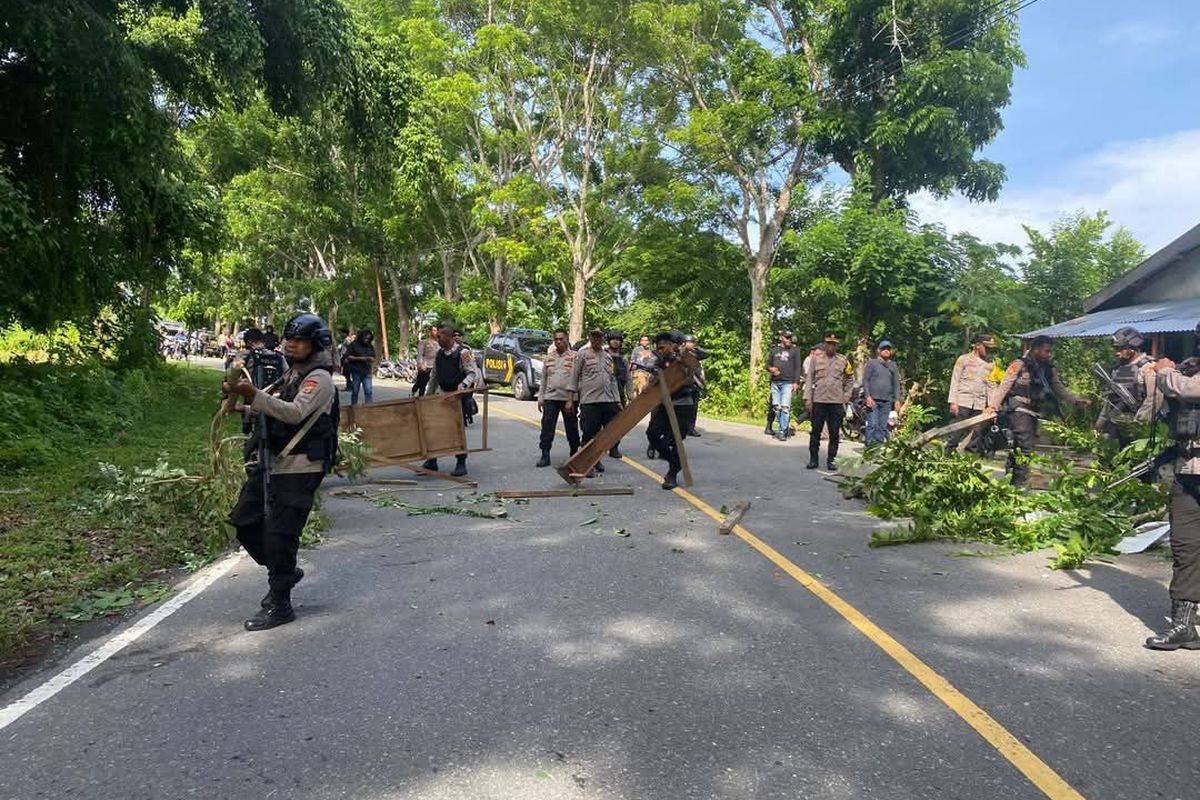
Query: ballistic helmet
[665,336]
[309,327]
[1128,338]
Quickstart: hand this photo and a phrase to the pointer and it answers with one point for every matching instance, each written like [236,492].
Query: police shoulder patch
[309,386]
[1014,367]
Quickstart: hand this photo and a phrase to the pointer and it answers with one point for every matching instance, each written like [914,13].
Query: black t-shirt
[788,360]
[357,348]
[270,340]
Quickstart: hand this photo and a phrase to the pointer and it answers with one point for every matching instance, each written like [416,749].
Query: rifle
[1150,466]
[265,368]
[1115,389]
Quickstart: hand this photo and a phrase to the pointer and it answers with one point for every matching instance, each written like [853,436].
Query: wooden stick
[670,407]
[735,516]
[510,494]
[962,424]
[485,416]
[394,481]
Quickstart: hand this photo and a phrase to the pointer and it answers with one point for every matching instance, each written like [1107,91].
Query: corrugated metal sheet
[1173,316]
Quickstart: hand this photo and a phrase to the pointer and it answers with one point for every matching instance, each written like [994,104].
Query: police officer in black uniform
[615,340]
[1133,371]
[296,432]
[659,432]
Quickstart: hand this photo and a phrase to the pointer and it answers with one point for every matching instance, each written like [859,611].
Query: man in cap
[881,386]
[615,339]
[1183,397]
[1032,388]
[972,382]
[553,394]
[783,364]
[826,392]
[1133,371]
[594,388]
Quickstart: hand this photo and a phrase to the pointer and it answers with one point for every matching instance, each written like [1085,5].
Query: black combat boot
[278,612]
[615,452]
[430,464]
[769,430]
[460,466]
[831,464]
[599,466]
[299,576]
[812,461]
[1182,632]
[669,482]
[651,453]
[544,461]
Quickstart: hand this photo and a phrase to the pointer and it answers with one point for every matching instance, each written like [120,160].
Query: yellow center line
[1037,771]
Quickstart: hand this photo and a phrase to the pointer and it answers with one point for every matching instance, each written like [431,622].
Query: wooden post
[387,354]
[674,420]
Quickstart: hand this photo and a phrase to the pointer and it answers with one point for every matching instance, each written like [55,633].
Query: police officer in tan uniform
[1183,396]
[301,434]
[827,387]
[426,353]
[594,388]
[454,369]
[1032,388]
[971,384]
[553,394]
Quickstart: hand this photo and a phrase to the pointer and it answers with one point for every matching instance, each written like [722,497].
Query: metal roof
[1171,316]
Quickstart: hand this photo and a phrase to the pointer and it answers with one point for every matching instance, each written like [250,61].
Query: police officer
[641,364]
[301,433]
[699,382]
[454,369]
[553,394]
[426,353]
[826,392]
[1183,398]
[659,432]
[1133,370]
[1032,387]
[594,388]
[974,379]
[621,374]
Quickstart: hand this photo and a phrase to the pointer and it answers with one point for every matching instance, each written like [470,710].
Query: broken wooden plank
[735,516]
[953,427]
[394,481]
[676,376]
[579,491]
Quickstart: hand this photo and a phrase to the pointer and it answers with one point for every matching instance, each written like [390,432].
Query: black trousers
[551,409]
[421,382]
[828,416]
[662,438]
[953,439]
[274,544]
[594,416]
[1024,429]
[1184,512]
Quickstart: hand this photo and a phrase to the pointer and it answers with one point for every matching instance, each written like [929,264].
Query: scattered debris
[1144,537]
[576,492]
[735,516]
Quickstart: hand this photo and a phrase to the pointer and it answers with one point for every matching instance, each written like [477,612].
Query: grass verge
[105,484]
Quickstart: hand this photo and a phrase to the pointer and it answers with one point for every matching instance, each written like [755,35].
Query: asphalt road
[546,655]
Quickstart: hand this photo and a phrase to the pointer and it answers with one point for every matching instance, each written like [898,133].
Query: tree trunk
[758,288]
[403,312]
[450,273]
[578,304]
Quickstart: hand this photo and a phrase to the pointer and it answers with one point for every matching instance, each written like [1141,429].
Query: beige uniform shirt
[426,353]
[556,374]
[971,382]
[593,377]
[828,380]
[1174,383]
[1154,401]
[315,397]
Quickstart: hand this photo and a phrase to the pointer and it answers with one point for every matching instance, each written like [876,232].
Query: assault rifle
[1150,466]
[1122,393]
[265,367]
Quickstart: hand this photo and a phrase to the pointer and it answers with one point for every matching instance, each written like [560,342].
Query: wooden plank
[735,516]
[443,475]
[962,424]
[578,491]
[674,421]
[676,376]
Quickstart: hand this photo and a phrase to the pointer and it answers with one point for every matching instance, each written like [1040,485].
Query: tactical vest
[1126,374]
[1184,419]
[449,369]
[320,442]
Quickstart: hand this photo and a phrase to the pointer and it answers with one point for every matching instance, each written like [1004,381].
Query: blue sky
[1105,116]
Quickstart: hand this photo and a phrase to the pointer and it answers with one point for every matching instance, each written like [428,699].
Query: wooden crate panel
[410,429]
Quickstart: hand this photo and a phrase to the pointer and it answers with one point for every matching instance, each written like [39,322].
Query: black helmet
[309,327]
[1128,338]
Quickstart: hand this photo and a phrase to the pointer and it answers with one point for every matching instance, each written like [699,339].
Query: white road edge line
[205,578]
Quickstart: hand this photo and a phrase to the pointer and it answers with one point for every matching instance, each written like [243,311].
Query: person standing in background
[426,353]
[974,379]
[553,395]
[358,362]
[881,384]
[826,392]
[783,363]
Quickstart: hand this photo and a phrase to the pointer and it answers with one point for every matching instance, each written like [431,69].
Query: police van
[516,358]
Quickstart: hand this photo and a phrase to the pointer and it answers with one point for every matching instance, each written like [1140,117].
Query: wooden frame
[415,428]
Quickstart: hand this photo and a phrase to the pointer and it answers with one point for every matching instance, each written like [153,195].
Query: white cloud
[1138,34]
[1150,186]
